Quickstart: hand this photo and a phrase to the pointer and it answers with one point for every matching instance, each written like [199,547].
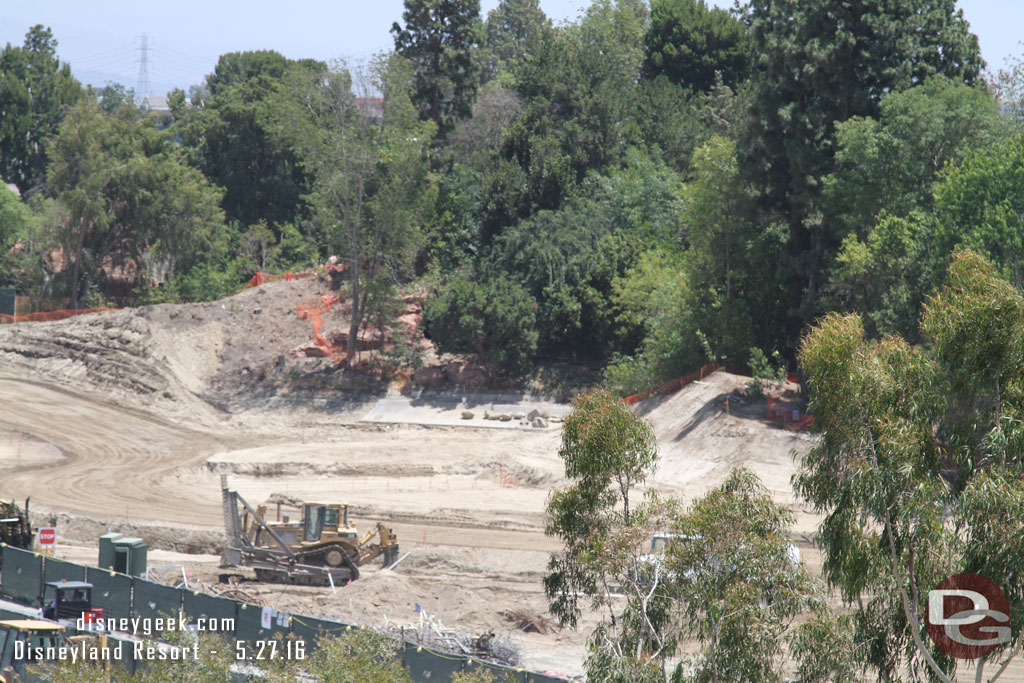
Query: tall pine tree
[819,64]
[440,38]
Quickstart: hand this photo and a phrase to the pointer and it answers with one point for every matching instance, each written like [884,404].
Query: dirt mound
[710,427]
[193,361]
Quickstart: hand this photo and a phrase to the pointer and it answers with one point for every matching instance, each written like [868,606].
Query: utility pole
[142,87]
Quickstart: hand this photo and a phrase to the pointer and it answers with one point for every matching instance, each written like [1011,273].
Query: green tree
[15,222]
[372,185]
[568,259]
[133,204]
[361,655]
[917,470]
[690,43]
[607,450]
[738,586]
[232,138]
[510,32]
[891,162]
[495,318]
[579,90]
[820,64]
[440,38]
[35,92]
[979,205]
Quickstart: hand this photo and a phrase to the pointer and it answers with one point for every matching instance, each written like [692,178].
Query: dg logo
[968,616]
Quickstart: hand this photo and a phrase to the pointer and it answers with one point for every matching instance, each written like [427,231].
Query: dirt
[125,421]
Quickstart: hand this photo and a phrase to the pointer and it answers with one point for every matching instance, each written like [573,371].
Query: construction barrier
[261,278]
[120,596]
[674,385]
[788,416]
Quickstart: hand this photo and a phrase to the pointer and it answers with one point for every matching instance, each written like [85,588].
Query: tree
[440,38]
[372,184]
[510,32]
[134,206]
[891,162]
[738,585]
[494,317]
[15,219]
[579,90]
[35,92]
[232,138]
[979,205]
[917,470]
[690,43]
[607,450]
[820,64]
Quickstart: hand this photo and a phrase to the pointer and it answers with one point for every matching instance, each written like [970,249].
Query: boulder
[467,415]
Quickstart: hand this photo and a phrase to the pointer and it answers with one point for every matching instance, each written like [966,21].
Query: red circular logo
[968,616]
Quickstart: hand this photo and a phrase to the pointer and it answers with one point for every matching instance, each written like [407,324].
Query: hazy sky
[101,39]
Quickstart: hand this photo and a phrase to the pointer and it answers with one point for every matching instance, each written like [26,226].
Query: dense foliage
[644,189]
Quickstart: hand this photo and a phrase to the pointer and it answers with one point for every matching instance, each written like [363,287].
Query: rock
[505,417]
[257,310]
[518,416]
[539,422]
[467,415]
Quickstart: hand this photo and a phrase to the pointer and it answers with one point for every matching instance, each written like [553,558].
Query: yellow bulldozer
[322,547]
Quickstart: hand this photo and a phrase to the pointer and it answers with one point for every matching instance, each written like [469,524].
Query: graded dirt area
[125,420]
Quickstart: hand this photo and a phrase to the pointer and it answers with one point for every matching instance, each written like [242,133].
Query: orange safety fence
[49,316]
[314,312]
[261,278]
[789,417]
[678,383]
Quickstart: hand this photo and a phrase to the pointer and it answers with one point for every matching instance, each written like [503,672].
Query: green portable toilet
[130,556]
[107,552]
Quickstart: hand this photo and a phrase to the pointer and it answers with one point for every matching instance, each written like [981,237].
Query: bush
[496,319]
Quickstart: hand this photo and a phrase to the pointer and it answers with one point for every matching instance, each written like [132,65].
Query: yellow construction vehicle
[323,547]
[24,642]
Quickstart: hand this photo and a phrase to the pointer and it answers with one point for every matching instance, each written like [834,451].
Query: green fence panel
[427,666]
[22,576]
[111,591]
[249,628]
[59,570]
[150,600]
[210,613]
[312,629]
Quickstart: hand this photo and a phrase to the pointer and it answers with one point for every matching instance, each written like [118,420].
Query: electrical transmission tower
[142,87]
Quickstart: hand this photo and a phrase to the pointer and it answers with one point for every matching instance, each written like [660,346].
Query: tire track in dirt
[123,463]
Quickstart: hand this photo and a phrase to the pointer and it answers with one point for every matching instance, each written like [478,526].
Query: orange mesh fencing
[314,312]
[49,316]
[673,385]
[261,278]
[789,417]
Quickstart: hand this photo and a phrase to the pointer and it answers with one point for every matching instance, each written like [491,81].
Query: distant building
[372,108]
[157,103]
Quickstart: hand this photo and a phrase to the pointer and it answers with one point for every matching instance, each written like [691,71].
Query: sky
[102,39]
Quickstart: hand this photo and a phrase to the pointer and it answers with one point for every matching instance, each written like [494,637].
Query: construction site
[152,421]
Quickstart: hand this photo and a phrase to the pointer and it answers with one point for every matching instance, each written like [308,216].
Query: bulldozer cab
[319,518]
